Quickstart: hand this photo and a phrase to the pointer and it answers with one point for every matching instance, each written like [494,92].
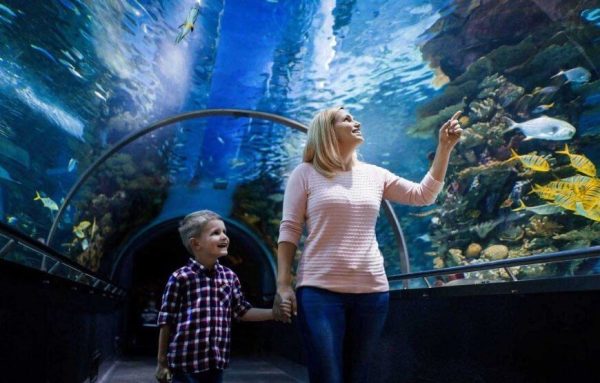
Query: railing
[33,254]
[506,264]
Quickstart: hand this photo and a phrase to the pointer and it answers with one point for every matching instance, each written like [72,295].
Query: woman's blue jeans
[340,332]
[210,376]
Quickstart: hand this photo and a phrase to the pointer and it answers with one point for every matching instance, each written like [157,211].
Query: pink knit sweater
[340,251]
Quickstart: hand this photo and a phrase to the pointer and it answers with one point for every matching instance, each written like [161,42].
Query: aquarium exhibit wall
[119,117]
[79,76]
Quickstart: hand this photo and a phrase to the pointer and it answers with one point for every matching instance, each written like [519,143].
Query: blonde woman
[341,296]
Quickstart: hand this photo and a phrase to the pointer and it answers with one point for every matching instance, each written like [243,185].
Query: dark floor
[246,370]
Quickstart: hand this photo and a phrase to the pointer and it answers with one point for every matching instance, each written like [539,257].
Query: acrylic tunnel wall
[92,73]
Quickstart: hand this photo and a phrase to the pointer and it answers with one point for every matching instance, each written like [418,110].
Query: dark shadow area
[52,329]
[492,334]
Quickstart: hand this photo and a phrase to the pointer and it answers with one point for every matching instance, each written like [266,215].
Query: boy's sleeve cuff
[165,318]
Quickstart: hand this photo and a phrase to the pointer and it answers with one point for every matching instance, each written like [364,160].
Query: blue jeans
[210,376]
[340,332]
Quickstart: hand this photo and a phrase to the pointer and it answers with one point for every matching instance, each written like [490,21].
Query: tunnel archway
[148,259]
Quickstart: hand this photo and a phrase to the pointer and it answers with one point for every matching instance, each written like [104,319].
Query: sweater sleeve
[294,206]
[403,191]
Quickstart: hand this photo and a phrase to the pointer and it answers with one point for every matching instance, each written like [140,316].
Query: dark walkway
[242,370]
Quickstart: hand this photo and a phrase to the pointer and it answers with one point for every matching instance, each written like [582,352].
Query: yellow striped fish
[544,192]
[593,214]
[560,186]
[591,198]
[580,180]
[581,184]
[566,201]
[531,161]
[580,162]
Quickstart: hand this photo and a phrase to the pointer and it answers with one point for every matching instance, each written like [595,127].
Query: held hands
[163,374]
[450,132]
[285,305]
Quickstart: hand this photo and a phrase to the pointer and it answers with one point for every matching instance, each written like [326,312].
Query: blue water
[77,76]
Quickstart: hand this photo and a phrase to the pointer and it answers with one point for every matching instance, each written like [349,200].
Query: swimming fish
[566,201]
[79,230]
[425,237]
[46,201]
[5,175]
[592,15]
[425,213]
[277,197]
[578,75]
[580,162]
[531,161]
[542,108]
[6,9]
[72,165]
[545,209]
[546,90]
[188,25]
[593,214]
[544,127]
[544,192]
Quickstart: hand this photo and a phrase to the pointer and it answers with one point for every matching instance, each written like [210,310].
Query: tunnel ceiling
[77,76]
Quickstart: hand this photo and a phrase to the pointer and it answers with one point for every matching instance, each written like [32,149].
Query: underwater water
[77,76]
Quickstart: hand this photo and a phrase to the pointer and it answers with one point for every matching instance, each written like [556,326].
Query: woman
[341,293]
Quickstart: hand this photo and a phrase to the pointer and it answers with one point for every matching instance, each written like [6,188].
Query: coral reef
[515,73]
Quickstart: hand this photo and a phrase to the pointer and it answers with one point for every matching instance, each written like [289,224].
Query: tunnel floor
[242,370]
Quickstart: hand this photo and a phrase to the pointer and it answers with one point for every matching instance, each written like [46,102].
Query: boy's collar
[198,267]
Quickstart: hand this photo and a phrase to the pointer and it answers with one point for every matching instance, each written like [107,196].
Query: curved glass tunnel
[514,233]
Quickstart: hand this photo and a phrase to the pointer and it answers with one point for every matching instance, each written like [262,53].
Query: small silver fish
[425,237]
[577,75]
[544,128]
[546,209]
[546,90]
[591,15]
[72,164]
[542,108]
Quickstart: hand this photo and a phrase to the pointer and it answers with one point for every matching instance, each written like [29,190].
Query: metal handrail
[16,237]
[559,256]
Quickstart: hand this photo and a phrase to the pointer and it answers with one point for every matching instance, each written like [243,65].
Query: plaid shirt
[199,305]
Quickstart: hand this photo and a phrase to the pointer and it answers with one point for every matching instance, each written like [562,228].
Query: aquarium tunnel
[120,117]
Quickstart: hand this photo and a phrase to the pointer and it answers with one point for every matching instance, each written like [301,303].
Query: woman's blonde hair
[322,149]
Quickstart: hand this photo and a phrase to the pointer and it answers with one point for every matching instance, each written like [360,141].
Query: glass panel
[25,256]
[521,181]
[3,241]
[235,166]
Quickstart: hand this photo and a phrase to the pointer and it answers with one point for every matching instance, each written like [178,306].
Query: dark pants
[210,376]
[340,332]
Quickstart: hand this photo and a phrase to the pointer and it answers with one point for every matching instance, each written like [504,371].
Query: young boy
[198,303]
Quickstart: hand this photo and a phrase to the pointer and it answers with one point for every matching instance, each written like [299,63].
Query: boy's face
[213,241]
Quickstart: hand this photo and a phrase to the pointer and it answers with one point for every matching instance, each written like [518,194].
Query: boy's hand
[163,374]
[285,305]
[282,312]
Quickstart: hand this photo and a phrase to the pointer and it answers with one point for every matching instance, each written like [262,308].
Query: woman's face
[347,129]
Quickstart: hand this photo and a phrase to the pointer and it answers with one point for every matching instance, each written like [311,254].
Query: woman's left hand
[450,132]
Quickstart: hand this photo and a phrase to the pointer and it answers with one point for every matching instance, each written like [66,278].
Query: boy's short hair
[192,225]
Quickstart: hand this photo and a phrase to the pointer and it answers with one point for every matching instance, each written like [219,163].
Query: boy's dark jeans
[210,376]
[340,332]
